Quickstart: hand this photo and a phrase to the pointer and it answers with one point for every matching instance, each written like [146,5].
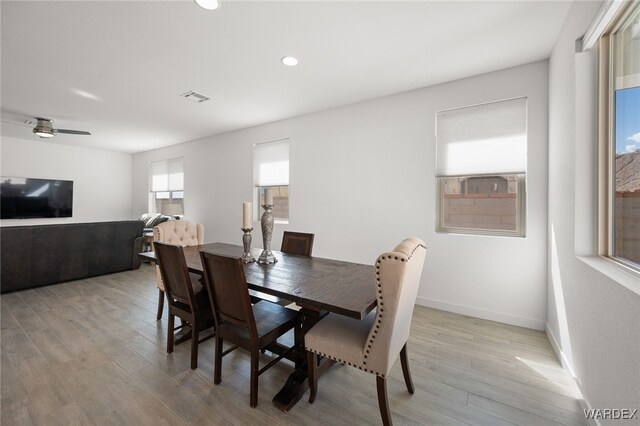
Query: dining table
[318,286]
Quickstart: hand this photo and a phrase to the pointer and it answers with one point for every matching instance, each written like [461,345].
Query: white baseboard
[584,402]
[484,314]
[556,348]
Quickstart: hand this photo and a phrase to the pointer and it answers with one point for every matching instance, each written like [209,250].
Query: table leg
[183,334]
[296,385]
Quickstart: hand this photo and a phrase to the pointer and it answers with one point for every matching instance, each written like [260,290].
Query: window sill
[480,233]
[626,277]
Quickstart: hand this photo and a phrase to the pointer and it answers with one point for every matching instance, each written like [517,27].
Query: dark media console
[33,256]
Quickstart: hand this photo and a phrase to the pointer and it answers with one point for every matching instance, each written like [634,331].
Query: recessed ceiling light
[208,4]
[289,61]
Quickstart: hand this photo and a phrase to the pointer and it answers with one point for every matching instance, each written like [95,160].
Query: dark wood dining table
[318,286]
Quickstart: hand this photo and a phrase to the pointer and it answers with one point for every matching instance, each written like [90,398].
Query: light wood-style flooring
[91,352]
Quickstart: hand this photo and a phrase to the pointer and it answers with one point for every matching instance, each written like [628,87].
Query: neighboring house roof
[628,172]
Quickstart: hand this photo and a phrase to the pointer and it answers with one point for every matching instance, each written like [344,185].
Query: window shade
[167,175]
[627,52]
[271,163]
[483,139]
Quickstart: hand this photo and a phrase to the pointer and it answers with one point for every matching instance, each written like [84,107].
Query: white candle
[246,215]
[268,197]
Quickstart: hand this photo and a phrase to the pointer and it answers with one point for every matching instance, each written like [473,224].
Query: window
[166,180]
[620,139]
[481,168]
[271,173]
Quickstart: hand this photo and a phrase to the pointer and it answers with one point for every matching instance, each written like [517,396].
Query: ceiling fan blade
[72,132]
[17,124]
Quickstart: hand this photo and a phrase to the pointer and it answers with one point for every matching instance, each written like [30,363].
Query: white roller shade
[627,52]
[482,139]
[176,175]
[271,163]
[167,175]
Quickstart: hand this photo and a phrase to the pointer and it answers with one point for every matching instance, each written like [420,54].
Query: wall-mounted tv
[28,198]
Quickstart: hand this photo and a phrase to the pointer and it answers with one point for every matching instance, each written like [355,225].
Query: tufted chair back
[180,233]
[397,280]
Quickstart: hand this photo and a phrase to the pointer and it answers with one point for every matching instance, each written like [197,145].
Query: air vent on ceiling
[194,96]
[29,122]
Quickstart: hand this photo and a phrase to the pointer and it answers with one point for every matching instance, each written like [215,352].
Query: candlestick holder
[247,257]
[267,230]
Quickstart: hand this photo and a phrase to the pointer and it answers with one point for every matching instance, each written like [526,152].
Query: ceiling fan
[44,129]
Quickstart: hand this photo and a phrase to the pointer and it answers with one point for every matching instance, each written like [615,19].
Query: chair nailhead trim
[416,248]
[361,367]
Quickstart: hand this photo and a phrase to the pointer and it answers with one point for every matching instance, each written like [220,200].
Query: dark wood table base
[292,391]
[296,385]
[182,335]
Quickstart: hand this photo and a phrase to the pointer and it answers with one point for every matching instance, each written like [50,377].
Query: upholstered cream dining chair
[373,344]
[180,233]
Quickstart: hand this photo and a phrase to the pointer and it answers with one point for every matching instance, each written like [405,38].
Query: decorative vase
[267,230]
[247,257]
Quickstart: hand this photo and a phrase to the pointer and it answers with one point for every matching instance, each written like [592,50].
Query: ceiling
[117,68]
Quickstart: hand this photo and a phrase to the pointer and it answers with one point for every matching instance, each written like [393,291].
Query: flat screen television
[28,198]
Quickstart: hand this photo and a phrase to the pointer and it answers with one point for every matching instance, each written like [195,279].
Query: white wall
[101,179]
[362,179]
[593,320]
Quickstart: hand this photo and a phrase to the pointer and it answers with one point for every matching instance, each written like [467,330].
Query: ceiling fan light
[43,134]
[208,4]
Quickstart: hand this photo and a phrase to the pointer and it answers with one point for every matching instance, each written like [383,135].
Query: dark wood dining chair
[252,327]
[374,343]
[297,243]
[186,297]
[180,233]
